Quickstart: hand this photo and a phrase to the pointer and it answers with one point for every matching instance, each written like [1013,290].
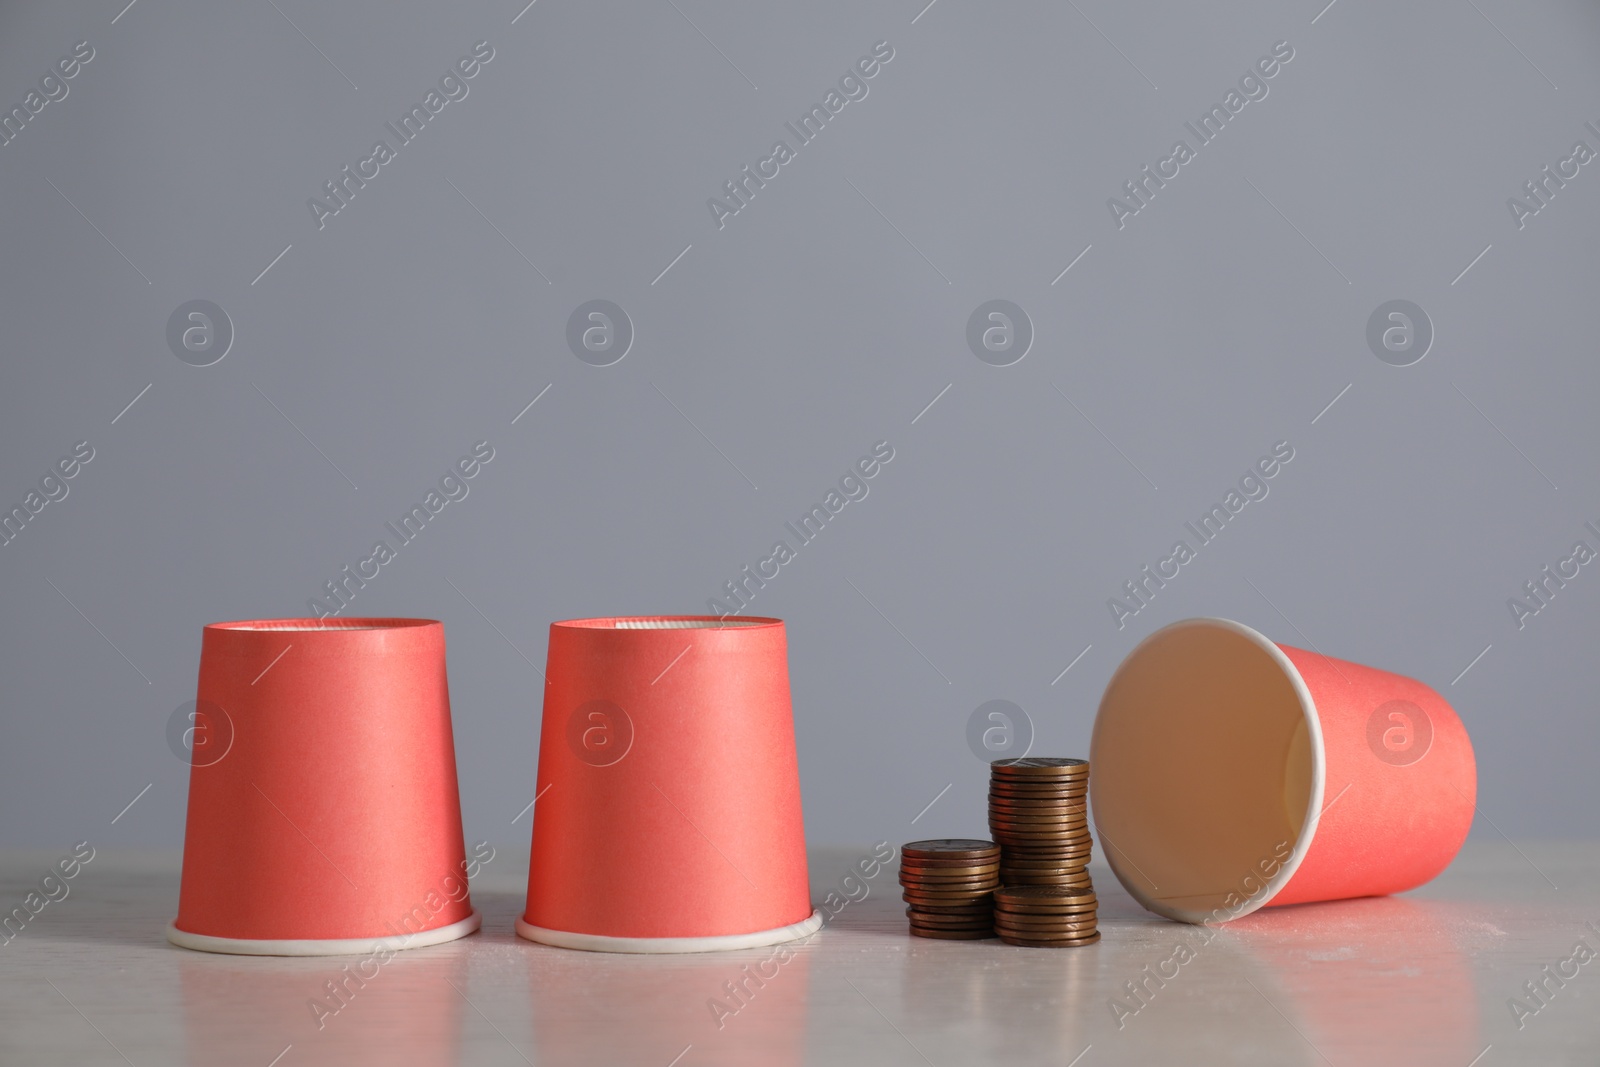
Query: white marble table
[1422,979]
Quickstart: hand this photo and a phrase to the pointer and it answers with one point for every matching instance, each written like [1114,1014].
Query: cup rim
[1319,767]
[331,624]
[670,622]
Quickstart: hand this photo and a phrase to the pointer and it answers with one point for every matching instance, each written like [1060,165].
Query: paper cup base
[349,946]
[721,943]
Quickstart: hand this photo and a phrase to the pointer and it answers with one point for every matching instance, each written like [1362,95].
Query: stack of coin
[1038,811]
[1045,916]
[948,884]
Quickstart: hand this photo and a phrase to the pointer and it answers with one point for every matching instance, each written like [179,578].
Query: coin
[912,896]
[1045,918]
[1008,833]
[1050,856]
[1045,922]
[950,872]
[1048,805]
[1039,785]
[927,919]
[944,888]
[985,908]
[1031,895]
[1074,880]
[1025,814]
[952,935]
[1039,934]
[1082,899]
[949,922]
[1039,765]
[1033,934]
[949,848]
[1055,943]
[929,863]
[981,875]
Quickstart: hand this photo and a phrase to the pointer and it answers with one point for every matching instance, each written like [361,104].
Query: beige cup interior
[1206,759]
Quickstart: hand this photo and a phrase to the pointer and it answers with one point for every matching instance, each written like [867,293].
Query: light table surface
[1422,979]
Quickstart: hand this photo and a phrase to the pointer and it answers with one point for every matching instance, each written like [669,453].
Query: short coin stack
[949,885]
[1038,811]
[1045,916]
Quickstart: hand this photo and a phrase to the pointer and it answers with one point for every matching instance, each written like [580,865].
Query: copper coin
[1078,838]
[1033,934]
[1045,896]
[911,863]
[949,922]
[948,874]
[987,876]
[948,848]
[1054,922]
[952,935]
[1036,788]
[935,918]
[1048,935]
[1010,874]
[1052,806]
[1043,784]
[1040,765]
[950,871]
[1047,905]
[929,863]
[1036,776]
[1059,918]
[1071,881]
[984,909]
[1032,943]
[1033,815]
[912,896]
[946,888]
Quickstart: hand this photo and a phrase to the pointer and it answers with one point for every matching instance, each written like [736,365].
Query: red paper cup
[667,816]
[325,818]
[1229,772]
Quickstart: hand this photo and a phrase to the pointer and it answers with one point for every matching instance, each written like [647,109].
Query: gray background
[1224,317]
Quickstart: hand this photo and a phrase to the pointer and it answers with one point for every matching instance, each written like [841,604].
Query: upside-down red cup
[1230,773]
[667,813]
[324,817]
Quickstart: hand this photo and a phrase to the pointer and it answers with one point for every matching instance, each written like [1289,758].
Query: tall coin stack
[1046,916]
[949,886]
[1038,811]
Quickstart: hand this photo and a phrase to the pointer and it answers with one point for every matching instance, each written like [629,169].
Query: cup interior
[669,622]
[330,623]
[1207,770]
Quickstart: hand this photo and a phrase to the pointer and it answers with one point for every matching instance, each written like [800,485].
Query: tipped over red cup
[331,822]
[1231,773]
[667,815]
